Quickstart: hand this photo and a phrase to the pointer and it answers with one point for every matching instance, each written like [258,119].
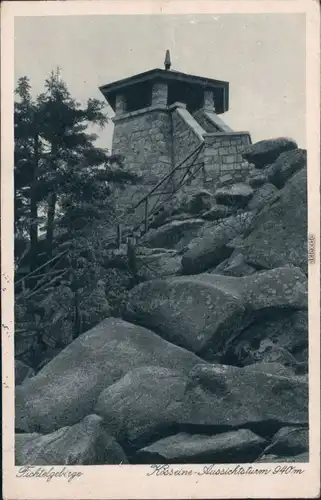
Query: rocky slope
[209,360]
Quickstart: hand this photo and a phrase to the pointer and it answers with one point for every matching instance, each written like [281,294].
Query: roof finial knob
[167,61]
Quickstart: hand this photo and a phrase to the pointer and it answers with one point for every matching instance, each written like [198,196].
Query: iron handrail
[131,210]
[167,176]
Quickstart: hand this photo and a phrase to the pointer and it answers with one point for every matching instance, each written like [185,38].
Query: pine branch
[41,267]
[43,287]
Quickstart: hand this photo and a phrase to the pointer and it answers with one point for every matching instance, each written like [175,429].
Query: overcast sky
[261,55]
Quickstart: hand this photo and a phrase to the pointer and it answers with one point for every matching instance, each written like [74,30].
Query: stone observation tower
[162,115]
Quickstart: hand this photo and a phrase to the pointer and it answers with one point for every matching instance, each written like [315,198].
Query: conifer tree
[62,179]
[28,151]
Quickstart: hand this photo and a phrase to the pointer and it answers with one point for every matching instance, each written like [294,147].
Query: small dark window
[138,97]
[219,100]
[191,95]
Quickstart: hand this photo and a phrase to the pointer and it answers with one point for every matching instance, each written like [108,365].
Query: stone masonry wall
[187,135]
[155,139]
[223,160]
[144,139]
[159,94]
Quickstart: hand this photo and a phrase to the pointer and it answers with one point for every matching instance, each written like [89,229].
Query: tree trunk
[51,207]
[33,231]
[50,223]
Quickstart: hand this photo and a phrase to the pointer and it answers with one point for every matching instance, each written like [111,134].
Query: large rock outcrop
[279,459]
[157,265]
[223,395]
[265,152]
[143,403]
[22,372]
[287,330]
[217,212]
[286,165]
[235,266]
[206,312]
[168,235]
[275,368]
[268,352]
[66,389]
[278,234]
[227,447]
[211,361]
[289,441]
[209,249]
[85,443]
[149,403]
[196,201]
[235,195]
[263,196]
[190,202]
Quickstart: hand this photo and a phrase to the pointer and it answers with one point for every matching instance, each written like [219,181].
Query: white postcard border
[132,481]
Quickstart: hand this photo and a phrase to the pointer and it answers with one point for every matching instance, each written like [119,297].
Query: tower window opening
[190,95]
[139,97]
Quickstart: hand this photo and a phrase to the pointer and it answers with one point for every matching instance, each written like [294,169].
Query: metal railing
[190,168]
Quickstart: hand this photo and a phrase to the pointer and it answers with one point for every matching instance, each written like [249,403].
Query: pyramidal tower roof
[168,75]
